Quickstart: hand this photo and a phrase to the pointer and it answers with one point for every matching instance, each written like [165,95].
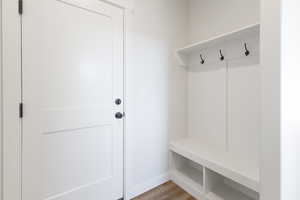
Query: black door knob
[119,115]
[118,101]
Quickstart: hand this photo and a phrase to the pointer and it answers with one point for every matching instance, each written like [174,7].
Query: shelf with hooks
[237,35]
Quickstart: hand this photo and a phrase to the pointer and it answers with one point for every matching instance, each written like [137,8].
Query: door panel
[73,159]
[72,72]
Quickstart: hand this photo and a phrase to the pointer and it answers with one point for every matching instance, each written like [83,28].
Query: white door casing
[72,61]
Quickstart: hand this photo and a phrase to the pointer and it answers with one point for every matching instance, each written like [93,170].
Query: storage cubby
[218,187]
[223,117]
[205,183]
[188,175]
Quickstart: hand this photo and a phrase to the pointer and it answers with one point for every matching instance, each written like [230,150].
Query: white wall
[209,18]
[155,91]
[290,101]
[1,102]
[280,177]
[270,62]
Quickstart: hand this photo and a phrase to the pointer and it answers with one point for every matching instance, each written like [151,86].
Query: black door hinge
[20,7]
[21,110]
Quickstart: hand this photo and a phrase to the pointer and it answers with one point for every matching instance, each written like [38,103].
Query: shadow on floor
[167,191]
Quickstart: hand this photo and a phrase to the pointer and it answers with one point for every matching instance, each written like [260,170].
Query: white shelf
[189,179]
[248,31]
[224,192]
[238,169]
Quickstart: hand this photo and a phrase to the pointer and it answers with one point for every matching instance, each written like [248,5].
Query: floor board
[167,191]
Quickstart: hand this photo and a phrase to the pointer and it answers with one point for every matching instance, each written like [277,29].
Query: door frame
[10,90]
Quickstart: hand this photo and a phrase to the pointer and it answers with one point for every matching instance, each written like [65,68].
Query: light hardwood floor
[167,191]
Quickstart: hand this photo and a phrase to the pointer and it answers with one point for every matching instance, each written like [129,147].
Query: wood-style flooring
[167,191]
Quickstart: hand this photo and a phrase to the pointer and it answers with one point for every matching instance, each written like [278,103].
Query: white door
[72,146]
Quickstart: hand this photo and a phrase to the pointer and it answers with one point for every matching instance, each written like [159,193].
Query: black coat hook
[202,60]
[247,52]
[221,55]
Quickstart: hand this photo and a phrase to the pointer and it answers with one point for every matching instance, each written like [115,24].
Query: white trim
[11,80]
[146,186]
[128,51]
[1,107]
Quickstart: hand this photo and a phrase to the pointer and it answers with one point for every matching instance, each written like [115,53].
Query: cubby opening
[218,187]
[188,175]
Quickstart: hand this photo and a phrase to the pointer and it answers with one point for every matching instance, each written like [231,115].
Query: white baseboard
[146,186]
